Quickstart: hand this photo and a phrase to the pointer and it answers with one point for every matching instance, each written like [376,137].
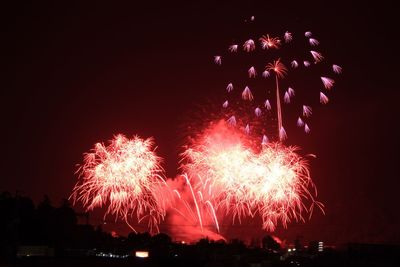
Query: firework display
[126,177]
[229,168]
[271,183]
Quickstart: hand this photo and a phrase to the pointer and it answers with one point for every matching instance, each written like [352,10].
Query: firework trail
[280,71]
[193,216]
[231,177]
[126,177]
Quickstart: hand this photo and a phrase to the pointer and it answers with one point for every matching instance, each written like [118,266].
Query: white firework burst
[306,63]
[294,64]
[225,104]
[308,34]
[258,112]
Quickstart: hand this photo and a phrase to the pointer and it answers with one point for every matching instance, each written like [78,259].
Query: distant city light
[320,246]
[142,254]
[110,255]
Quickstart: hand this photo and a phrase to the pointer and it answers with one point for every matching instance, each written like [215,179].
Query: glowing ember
[126,177]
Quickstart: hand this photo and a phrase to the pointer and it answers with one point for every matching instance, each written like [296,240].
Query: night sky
[83,72]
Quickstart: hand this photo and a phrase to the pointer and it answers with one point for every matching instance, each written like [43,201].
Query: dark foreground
[194,256]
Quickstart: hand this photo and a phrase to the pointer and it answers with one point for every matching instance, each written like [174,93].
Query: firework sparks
[307,111]
[264,140]
[288,37]
[286,98]
[217,60]
[225,104]
[291,92]
[300,122]
[337,69]
[258,112]
[317,56]
[267,104]
[233,48]
[323,98]
[252,72]
[247,129]
[328,82]
[249,45]
[282,134]
[265,74]
[278,67]
[229,88]
[313,42]
[232,121]
[126,176]
[306,128]
[246,94]
[268,42]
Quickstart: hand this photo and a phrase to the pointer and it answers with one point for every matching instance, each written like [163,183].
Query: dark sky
[83,72]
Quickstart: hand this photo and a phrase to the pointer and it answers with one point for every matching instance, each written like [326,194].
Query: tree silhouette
[270,244]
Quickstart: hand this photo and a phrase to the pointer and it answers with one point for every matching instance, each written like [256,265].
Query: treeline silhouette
[23,223]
